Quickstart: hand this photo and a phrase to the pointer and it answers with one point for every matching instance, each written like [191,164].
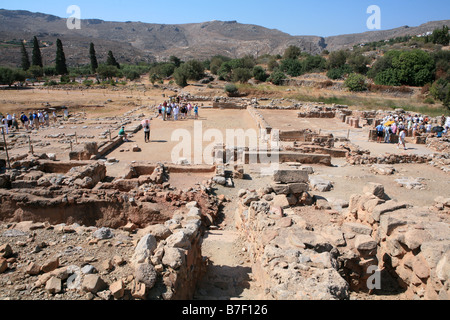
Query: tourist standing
[380,133]
[387,134]
[176,111]
[15,124]
[196,112]
[25,121]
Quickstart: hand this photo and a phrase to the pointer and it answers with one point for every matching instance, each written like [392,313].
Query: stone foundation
[411,244]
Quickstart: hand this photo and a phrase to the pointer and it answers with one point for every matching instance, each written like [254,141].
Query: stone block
[365,243]
[291,176]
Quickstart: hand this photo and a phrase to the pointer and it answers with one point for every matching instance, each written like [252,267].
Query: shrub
[88,83]
[325,84]
[260,74]
[107,71]
[356,82]
[273,64]
[132,75]
[314,64]
[337,59]
[292,67]
[429,100]
[277,78]
[65,79]
[163,70]
[292,53]
[241,75]
[339,73]
[231,89]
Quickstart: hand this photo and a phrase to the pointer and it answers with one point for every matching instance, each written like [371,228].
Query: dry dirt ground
[229,273]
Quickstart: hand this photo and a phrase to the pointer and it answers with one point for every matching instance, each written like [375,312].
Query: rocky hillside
[137,41]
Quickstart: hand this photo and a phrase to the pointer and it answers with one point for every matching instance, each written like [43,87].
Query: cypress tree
[61,67]
[94,62]
[37,57]
[111,61]
[25,58]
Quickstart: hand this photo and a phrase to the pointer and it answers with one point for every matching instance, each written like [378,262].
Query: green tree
[241,75]
[412,68]
[191,70]
[36,59]
[93,57]
[36,71]
[154,78]
[292,67]
[61,66]
[131,74]
[25,58]
[415,68]
[388,77]
[163,70]
[260,74]
[441,36]
[337,59]
[273,64]
[277,78]
[107,71]
[216,63]
[175,60]
[111,60]
[441,90]
[356,82]
[292,52]
[9,76]
[313,64]
[225,71]
[231,90]
[359,63]
[339,73]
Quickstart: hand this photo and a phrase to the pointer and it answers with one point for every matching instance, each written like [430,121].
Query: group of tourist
[171,110]
[174,111]
[34,120]
[403,126]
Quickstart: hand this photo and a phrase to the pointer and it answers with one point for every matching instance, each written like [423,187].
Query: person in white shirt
[401,140]
[176,111]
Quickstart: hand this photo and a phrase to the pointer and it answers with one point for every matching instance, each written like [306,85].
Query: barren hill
[137,41]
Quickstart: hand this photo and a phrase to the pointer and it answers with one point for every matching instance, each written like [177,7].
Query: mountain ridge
[133,42]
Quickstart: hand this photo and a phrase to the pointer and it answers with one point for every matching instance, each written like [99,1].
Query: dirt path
[229,272]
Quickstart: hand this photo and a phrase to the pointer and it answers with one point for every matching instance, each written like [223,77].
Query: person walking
[402,139]
[147,131]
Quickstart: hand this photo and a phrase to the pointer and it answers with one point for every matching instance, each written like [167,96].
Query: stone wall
[168,258]
[378,246]
[412,244]
[289,260]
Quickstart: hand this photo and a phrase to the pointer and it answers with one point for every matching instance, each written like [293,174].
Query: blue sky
[296,17]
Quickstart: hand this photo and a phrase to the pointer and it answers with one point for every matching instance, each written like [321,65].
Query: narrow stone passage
[229,272]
